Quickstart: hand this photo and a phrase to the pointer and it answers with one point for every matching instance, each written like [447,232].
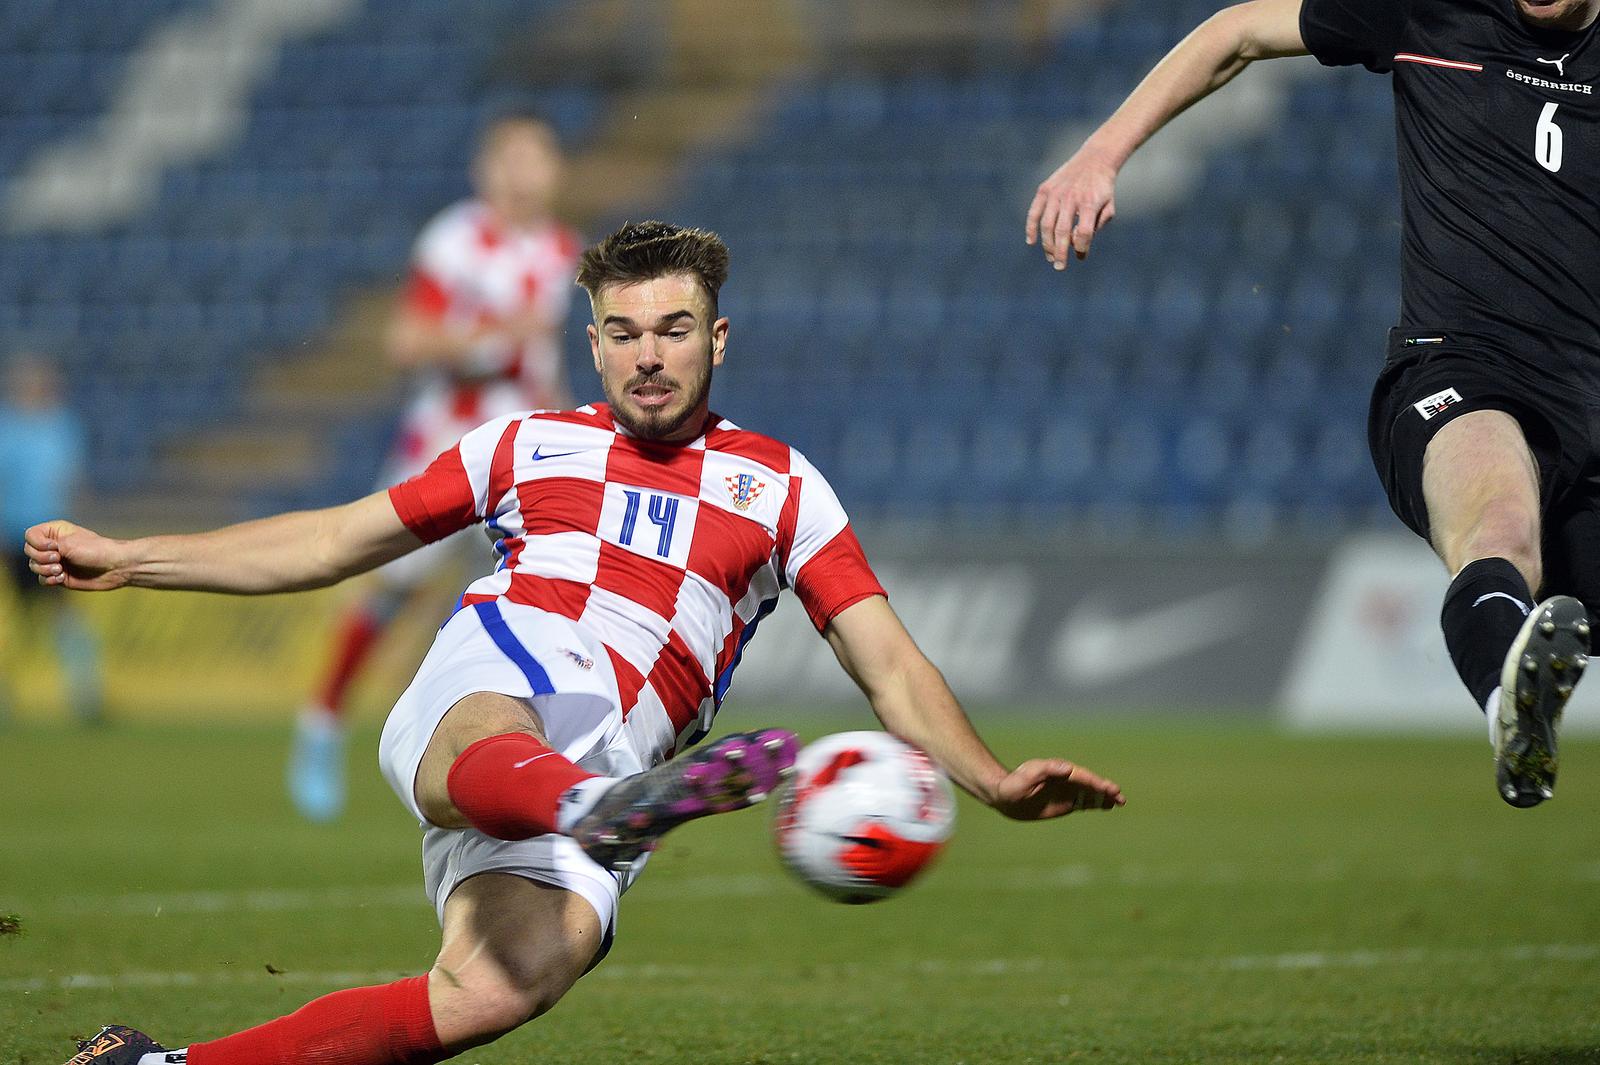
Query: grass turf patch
[1261,899]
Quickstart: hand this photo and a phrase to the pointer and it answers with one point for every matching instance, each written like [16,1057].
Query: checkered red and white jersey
[670,554]
[468,270]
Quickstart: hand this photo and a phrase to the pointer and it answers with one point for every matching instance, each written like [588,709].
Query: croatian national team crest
[744,490]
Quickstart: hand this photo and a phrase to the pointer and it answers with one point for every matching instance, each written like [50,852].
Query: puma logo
[1559,64]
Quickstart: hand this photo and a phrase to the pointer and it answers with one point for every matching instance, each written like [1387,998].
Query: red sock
[357,634]
[508,786]
[388,1025]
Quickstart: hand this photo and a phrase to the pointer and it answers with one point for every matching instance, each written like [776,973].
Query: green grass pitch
[1262,898]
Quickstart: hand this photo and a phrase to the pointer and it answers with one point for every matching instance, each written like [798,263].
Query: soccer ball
[862,815]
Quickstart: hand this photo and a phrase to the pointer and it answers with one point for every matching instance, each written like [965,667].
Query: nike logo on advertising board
[1098,646]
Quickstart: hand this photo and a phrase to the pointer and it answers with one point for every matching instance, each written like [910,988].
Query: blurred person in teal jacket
[42,445]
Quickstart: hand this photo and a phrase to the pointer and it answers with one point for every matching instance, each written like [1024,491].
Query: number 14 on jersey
[654,524]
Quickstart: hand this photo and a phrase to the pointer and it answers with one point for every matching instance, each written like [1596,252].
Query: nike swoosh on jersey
[556,455]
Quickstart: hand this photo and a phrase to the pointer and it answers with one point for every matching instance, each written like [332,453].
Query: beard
[1555,16]
[659,423]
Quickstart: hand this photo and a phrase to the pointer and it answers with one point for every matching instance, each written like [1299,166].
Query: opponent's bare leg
[1481,486]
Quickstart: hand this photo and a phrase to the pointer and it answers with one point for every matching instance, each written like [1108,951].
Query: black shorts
[1425,385]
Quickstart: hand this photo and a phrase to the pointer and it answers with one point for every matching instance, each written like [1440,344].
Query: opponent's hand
[1050,787]
[1071,206]
[70,556]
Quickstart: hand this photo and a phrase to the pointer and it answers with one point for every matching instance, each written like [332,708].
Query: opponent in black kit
[1484,418]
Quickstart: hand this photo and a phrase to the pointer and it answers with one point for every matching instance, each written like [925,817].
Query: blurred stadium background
[208,207]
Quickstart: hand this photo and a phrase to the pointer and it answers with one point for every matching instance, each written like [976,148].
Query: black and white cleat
[1545,662]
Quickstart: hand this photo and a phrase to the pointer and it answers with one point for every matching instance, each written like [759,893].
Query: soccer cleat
[734,772]
[1545,661]
[316,766]
[117,1044]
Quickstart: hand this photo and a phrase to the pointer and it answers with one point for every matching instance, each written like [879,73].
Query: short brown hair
[640,251]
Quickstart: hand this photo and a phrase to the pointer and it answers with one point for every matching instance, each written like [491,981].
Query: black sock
[1483,610]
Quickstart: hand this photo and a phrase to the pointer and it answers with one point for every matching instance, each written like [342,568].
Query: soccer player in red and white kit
[638,543]
[479,322]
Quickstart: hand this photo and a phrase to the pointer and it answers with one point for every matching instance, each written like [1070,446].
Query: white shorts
[528,654]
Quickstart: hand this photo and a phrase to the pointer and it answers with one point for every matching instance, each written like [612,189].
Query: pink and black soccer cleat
[117,1044]
[734,772]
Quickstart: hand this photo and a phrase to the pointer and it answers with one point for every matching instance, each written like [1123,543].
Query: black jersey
[1498,131]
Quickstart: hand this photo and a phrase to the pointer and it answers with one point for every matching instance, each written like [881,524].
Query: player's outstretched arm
[285,553]
[1076,201]
[911,698]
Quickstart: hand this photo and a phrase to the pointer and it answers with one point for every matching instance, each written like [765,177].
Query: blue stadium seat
[353,140]
[1208,367]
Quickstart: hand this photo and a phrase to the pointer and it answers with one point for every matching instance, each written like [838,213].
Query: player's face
[655,344]
[1558,14]
[518,171]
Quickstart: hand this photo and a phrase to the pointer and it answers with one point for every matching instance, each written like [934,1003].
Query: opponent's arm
[911,698]
[286,553]
[1077,200]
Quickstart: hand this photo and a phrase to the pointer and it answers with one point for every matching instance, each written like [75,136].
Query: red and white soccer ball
[863,814]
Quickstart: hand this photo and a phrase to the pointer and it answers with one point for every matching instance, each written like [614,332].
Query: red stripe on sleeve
[438,501]
[836,577]
[501,467]
[788,522]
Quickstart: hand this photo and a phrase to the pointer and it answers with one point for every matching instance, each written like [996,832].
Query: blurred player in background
[480,324]
[42,447]
[544,745]
[1483,419]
